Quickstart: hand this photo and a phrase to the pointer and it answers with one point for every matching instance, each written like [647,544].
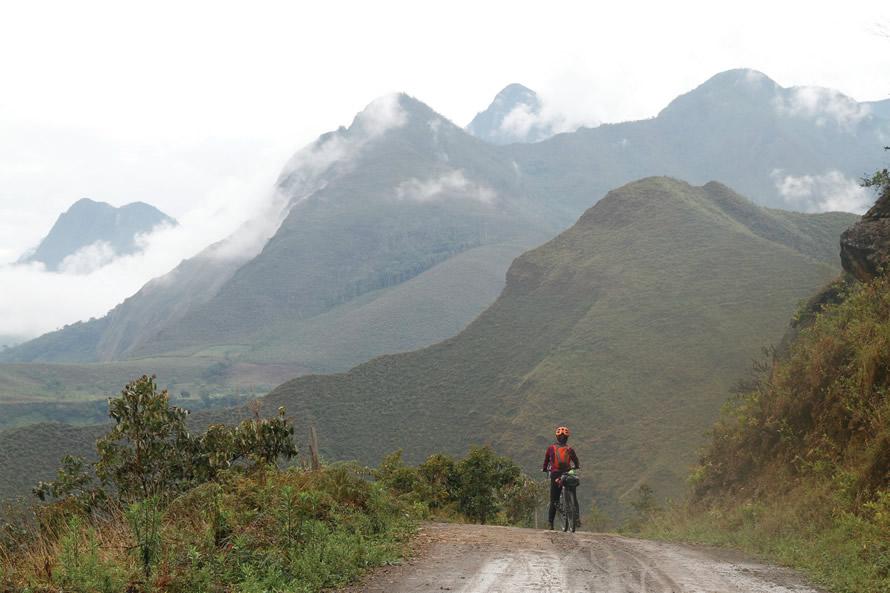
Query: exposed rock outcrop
[865,246]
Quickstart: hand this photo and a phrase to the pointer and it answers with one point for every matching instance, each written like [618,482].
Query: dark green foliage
[481,476]
[144,520]
[148,450]
[81,567]
[481,487]
[177,511]
[880,182]
[73,480]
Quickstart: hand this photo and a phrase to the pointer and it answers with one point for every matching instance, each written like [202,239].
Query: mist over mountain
[880,108]
[515,115]
[798,148]
[91,233]
[394,233]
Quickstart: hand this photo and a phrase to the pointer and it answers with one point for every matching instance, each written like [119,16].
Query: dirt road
[481,559]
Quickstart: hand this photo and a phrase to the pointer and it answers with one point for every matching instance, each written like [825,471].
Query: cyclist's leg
[554,499]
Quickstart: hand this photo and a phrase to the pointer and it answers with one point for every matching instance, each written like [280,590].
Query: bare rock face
[865,246]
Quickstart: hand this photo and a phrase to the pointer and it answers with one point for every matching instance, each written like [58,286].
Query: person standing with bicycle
[559,460]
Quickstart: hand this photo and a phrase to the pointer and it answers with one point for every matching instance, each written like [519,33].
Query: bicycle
[568,500]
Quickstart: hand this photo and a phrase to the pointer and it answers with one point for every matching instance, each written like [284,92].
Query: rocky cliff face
[865,246]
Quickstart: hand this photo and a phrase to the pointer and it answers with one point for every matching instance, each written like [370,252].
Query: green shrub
[81,569]
[481,487]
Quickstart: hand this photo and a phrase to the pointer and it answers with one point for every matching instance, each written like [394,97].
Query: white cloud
[823,105]
[831,191]
[235,217]
[88,259]
[305,170]
[453,184]
[382,114]
[93,280]
[548,119]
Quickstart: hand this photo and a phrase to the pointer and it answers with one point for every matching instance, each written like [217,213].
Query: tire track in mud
[484,559]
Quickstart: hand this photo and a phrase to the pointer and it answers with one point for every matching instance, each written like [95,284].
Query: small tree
[150,455]
[879,181]
[522,498]
[145,453]
[480,475]
[440,474]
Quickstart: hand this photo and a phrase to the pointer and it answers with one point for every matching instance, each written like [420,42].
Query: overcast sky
[194,106]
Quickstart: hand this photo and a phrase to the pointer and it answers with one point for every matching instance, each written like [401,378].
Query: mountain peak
[513,116]
[87,222]
[738,76]
[726,91]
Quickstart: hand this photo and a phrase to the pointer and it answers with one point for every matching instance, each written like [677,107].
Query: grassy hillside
[630,327]
[799,469]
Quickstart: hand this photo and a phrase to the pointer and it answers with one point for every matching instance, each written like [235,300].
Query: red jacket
[550,456]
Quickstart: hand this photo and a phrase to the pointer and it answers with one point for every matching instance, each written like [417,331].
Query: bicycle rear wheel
[571,518]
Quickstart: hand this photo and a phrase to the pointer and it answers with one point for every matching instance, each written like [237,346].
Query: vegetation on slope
[165,509]
[798,467]
[265,530]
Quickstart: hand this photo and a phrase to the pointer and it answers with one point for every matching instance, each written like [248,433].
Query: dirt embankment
[482,559]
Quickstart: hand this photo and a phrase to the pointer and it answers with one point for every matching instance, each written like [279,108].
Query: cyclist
[559,459]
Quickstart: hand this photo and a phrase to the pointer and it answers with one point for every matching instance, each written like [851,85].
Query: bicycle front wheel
[565,509]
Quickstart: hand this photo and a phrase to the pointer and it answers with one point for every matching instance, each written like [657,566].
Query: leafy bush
[481,487]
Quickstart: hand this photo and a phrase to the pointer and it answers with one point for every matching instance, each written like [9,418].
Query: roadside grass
[267,530]
[798,469]
[840,550]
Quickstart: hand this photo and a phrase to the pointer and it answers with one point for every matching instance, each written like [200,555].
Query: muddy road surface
[482,559]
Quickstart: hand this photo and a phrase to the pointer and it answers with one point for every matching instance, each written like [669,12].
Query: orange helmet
[562,431]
